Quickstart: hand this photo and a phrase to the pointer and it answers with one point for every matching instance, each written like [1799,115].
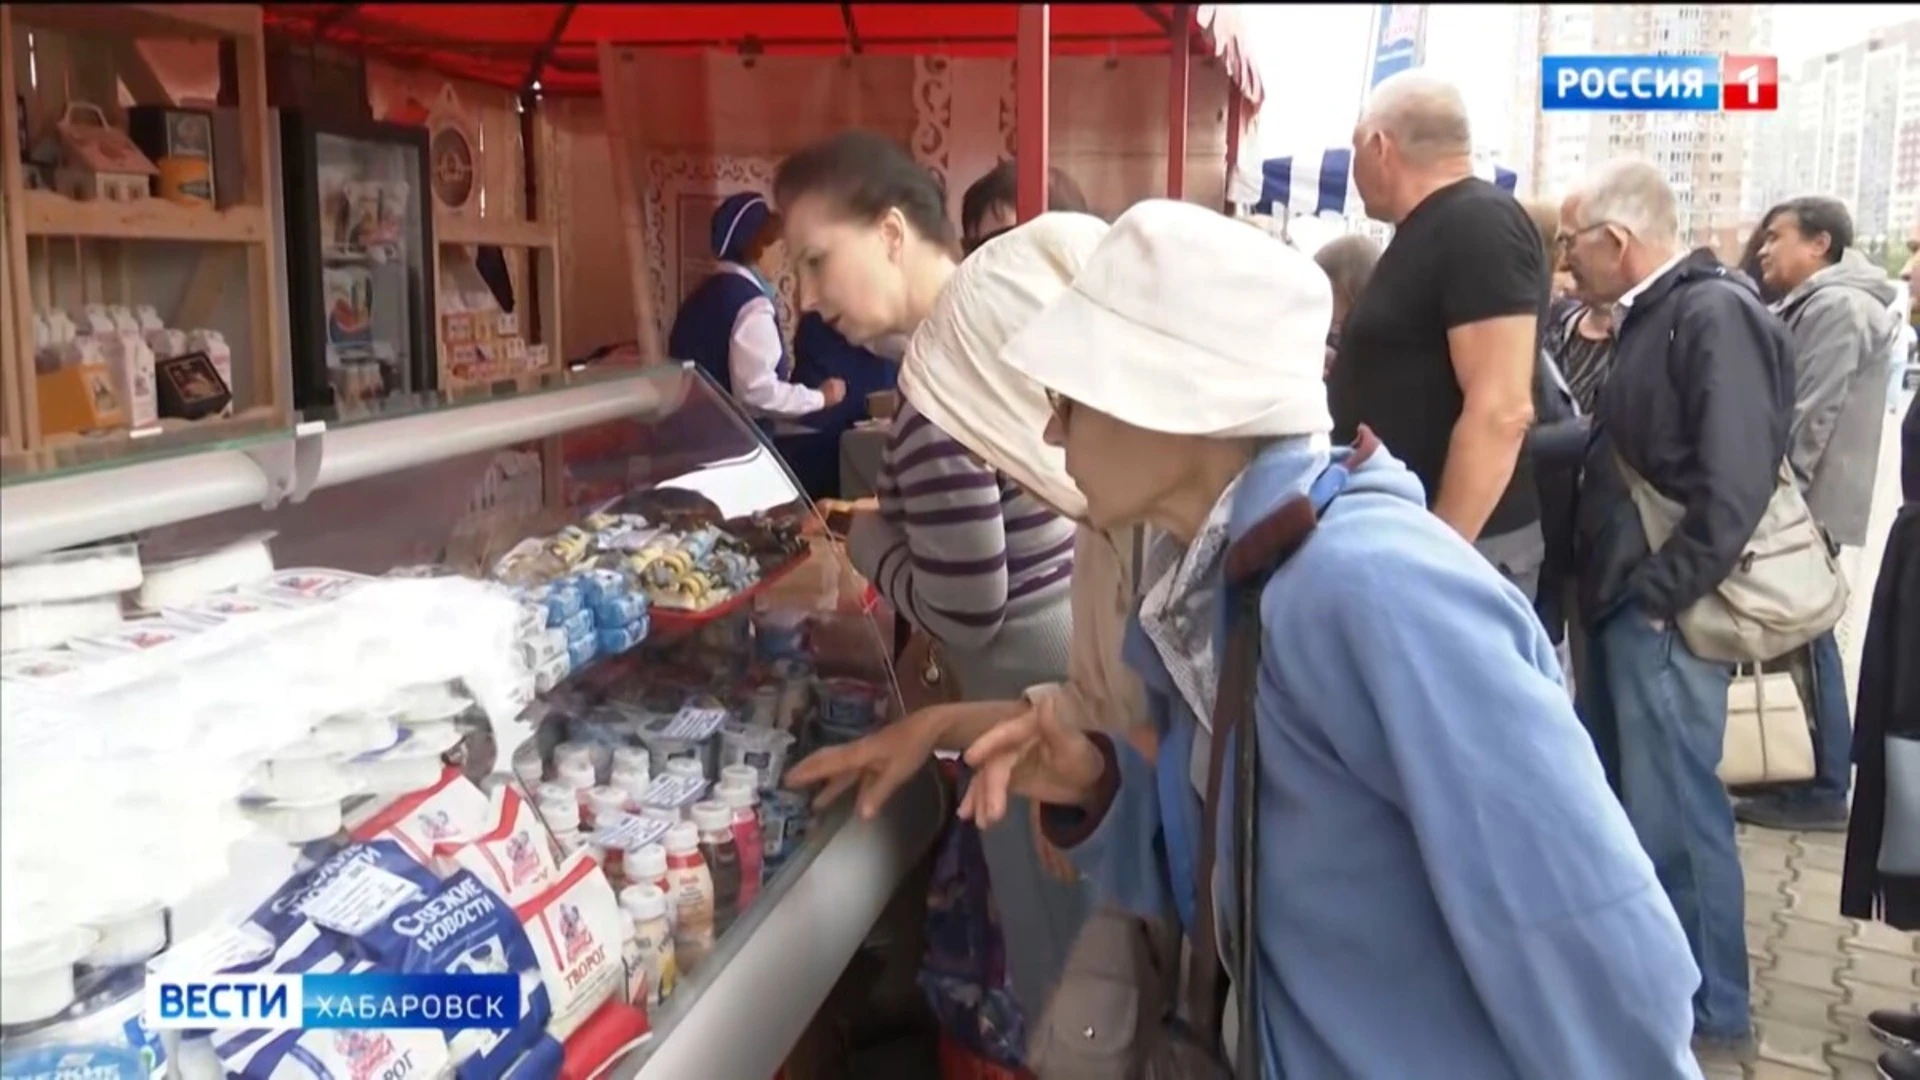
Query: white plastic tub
[36,979]
[131,937]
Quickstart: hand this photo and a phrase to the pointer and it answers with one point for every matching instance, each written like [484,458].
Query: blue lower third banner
[366,1000]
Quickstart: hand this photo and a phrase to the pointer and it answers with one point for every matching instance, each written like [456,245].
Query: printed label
[355,902]
[694,723]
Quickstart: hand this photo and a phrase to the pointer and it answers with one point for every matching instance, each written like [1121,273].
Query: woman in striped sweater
[959,548]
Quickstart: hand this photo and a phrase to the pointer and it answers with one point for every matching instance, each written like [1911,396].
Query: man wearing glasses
[1698,403]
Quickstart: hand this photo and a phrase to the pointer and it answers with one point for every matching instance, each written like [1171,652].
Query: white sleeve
[754,363]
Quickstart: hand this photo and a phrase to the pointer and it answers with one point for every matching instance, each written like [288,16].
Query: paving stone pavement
[1816,974]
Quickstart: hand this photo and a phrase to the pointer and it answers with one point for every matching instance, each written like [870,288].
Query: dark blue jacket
[1698,401]
[703,328]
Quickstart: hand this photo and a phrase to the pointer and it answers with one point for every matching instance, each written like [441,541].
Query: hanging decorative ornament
[453,147]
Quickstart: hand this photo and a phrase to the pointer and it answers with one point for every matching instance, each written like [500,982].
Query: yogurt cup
[36,979]
[606,805]
[632,757]
[132,937]
[300,822]
[355,733]
[304,770]
[409,765]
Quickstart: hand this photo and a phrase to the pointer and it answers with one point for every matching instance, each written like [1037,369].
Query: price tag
[695,723]
[356,901]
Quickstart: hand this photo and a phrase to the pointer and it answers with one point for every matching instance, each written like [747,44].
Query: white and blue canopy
[1322,183]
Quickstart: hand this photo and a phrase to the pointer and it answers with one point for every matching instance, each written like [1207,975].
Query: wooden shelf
[48,213]
[497,232]
[142,20]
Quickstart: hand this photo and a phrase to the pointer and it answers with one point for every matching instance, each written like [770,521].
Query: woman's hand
[1033,755]
[879,763]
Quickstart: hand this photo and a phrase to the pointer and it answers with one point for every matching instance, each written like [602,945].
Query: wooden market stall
[735,87]
[83,234]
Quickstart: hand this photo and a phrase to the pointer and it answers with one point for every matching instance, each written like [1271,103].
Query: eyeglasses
[1565,241]
[1062,406]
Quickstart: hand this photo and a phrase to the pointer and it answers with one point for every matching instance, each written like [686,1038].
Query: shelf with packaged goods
[689,468]
[799,943]
[91,500]
[48,213]
[84,90]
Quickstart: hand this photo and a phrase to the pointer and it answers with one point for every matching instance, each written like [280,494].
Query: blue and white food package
[462,928]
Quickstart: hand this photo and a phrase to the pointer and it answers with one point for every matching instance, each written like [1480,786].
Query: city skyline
[1302,62]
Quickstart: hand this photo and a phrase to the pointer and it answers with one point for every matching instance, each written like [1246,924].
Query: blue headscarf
[738,220]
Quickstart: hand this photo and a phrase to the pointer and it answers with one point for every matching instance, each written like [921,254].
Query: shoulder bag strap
[1251,562]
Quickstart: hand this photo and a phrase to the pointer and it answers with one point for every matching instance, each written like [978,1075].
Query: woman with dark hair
[962,552]
[989,206]
[1750,256]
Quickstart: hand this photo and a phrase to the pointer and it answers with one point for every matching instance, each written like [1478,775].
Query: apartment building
[1706,156]
[1852,120]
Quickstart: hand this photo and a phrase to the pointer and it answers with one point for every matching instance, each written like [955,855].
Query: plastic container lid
[711,815]
[631,757]
[684,766]
[578,774]
[648,862]
[684,839]
[736,794]
[745,774]
[555,792]
[643,902]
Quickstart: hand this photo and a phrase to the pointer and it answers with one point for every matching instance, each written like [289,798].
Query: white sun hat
[1188,322]
[953,371]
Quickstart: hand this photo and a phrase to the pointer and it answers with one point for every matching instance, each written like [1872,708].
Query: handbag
[1785,590]
[1768,738]
[1114,1006]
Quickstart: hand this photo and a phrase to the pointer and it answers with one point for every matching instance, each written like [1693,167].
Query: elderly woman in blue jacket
[1445,887]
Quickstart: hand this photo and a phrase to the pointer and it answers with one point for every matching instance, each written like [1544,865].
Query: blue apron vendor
[728,326]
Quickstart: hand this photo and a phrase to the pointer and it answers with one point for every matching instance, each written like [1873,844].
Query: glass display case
[688,621]
[360,263]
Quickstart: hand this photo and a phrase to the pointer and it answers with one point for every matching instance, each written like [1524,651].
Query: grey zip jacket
[1842,332]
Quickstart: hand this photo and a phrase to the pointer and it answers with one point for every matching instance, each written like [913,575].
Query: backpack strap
[1250,562]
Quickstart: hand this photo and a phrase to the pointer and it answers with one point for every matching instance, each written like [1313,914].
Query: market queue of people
[1655,712]
[1401,828]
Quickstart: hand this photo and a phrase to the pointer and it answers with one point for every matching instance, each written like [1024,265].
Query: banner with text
[1399,41]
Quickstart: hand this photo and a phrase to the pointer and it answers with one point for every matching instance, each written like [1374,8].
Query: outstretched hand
[1033,755]
[878,764]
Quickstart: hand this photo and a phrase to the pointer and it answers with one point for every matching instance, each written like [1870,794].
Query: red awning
[511,44]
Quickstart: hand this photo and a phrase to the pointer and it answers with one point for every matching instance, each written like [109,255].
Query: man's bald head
[1423,115]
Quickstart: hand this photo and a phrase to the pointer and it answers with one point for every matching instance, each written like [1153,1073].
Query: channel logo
[309,1002]
[1659,84]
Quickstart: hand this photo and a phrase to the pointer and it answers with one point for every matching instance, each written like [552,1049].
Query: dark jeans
[1661,713]
[1822,679]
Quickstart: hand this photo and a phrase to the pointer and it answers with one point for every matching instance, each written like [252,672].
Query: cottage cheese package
[577,931]
[450,810]
[514,856]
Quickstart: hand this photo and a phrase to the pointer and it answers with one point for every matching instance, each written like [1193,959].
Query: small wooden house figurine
[99,161]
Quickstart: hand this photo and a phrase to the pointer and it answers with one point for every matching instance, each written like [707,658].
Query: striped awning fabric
[1322,183]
